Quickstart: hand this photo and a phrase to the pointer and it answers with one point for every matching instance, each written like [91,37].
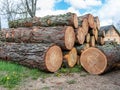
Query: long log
[69,19]
[101,59]
[47,57]
[70,58]
[62,36]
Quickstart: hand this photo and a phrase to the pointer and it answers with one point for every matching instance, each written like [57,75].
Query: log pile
[48,42]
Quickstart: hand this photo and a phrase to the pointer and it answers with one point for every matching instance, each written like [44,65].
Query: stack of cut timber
[48,42]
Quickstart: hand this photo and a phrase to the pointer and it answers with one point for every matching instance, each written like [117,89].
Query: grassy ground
[12,74]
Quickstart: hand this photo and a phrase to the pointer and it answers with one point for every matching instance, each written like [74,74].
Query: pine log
[90,19]
[81,48]
[80,36]
[96,19]
[78,60]
[83,22]
[101,33]
[47,57]
[92,41]
[62,36]
[87,38]
[101,59]
[70,59]
[100,41]
[96,34]
[69,19]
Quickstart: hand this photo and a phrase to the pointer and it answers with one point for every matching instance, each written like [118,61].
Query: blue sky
[108,11]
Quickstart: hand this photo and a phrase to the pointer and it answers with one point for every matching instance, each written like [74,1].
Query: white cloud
[110,12]
[83,4]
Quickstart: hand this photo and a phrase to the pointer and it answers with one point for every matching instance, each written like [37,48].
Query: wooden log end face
[53,58]
[75,21]
[80,35]
[72,59]
[85,25]
[93,61]
[91,20]
[69,37]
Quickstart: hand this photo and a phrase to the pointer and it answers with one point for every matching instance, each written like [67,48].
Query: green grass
[12,74]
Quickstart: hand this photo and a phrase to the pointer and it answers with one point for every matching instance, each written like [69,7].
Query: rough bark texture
[63,36]
[101,59]
[81,48]
[46,57]
[69,19]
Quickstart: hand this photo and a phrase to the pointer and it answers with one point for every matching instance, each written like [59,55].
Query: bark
[70,58]
[83,22]
[100,41]
[81,48]
[47,57]
[62,36]
[80,36]
[69,19]
[101,33]
[101,59]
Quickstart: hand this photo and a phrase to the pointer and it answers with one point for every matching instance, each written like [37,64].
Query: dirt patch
[76,81]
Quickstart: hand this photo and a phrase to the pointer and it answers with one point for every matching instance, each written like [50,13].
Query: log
[96,19]
[81,48]
[96,34]
[83,22]
[69,19]
[80,36]
[100,41]
[47,57]
[70,59]
[62,36]
[101,59]
[101,33]
[90,19]
[78,60]
[87,38]
[92,41]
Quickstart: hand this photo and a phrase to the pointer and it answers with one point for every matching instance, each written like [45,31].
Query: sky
[108,11]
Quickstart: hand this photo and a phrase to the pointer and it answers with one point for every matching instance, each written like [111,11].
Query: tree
[31,7]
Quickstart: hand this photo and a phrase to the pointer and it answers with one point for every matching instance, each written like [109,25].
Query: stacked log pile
[48,42]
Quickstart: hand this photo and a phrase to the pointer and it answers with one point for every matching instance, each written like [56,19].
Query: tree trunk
[46,57]
[90,19]
[87,38]
[69,19]
[63,36]
[101,59]
[96,34]
[70,58]
[101,33]
[101,41]
[80,36]
[83,22]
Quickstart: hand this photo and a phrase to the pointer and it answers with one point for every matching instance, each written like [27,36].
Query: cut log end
[91,20]
[71,58]
[75,21]
[53,58]
[93,62]
[85,25]
[80,35]
[69,37]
